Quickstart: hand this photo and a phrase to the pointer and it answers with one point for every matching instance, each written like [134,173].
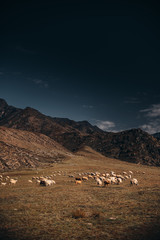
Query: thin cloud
[153,119]
[41,83]
[105,125]
[153,111]
[152,126]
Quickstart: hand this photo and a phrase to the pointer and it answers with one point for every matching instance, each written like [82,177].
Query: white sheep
[46,182]
[102,178]
[134,181]
[126,177]
[3,184]
[107,175]
[84,178]
[112,174]
[99,182]
[13,181]
[120,176]
[113,179]
[119,180]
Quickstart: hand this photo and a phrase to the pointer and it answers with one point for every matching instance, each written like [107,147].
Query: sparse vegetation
[87,211]
[78,213]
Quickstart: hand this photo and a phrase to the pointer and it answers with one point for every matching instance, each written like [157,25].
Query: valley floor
[67,211]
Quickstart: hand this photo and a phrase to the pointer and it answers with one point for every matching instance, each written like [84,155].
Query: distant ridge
[132,145]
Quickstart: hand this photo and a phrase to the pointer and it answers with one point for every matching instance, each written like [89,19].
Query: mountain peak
[3,103]
[29,109]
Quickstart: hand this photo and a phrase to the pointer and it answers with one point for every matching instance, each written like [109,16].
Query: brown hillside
[26,149]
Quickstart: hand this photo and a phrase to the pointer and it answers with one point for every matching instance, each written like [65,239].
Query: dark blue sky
[84,60]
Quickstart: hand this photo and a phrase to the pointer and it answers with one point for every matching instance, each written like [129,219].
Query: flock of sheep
[105,179]
[4,180]
[101,179]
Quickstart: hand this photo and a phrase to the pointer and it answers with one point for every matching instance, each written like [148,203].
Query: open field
[87,211]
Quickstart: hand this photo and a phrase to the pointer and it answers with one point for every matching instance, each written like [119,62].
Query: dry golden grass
[69,211]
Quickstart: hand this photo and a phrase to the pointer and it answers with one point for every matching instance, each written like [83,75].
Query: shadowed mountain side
[65,131]
[26,149]
[156,135]
[133,145]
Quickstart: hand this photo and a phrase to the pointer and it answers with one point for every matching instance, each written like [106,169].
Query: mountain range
[132,145]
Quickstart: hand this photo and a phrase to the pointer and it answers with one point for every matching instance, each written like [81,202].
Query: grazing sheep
[119,180]
[107,175]
[126,177]
[134,181]
[102,178]
[12,181]
[107,182]
[78,181]
[30,181]
[42,178]
[46,182]
[130,172]
[112,174]
[90,176]
[85,178]
[120,176]
[113,180]
[3,183]
[99,182]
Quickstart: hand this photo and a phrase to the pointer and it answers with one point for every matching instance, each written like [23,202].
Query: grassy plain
[69,211]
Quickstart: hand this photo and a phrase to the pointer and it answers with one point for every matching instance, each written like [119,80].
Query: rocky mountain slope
[19,149]
[156,135]
[133,145]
